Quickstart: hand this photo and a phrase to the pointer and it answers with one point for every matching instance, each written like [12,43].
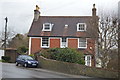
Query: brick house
[77,32]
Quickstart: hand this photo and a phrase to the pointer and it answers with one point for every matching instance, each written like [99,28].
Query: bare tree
[108,38]
[18,40]
[9,35]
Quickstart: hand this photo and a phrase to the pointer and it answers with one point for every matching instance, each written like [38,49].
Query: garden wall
[75,69]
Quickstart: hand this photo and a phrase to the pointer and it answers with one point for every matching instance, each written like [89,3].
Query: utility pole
[6,21]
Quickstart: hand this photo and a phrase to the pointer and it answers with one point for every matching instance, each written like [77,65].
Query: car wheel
[25,65]
[16,63]
[36,66]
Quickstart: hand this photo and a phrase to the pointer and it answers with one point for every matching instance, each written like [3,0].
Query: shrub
[22,50]
[64,54]
[32,55]
[5,59]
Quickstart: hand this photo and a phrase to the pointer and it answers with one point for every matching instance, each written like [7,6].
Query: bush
[32,55]
[5,59]
[22,50]
[64,54]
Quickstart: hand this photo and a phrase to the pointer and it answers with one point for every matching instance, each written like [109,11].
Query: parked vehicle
[26,61]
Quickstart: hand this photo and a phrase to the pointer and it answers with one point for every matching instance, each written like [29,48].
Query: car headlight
[37,62]
[29,62]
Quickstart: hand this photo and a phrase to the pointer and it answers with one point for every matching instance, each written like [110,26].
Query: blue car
[26,61]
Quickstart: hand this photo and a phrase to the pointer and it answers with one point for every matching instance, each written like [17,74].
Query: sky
[20,12]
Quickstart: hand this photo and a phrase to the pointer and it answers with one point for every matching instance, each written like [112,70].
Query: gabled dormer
[47,27]
[81,26]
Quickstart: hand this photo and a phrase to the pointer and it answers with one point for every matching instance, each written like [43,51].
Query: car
[26,61]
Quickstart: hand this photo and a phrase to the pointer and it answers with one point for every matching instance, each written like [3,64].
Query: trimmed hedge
[5,59]
[64,54]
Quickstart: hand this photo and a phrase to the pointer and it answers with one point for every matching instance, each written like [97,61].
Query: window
[81,27]
[63,42]
[88,60]
[47,27]
[45,42]
[82,43]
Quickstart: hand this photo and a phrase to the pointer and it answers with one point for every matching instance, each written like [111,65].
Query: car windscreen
[28,58]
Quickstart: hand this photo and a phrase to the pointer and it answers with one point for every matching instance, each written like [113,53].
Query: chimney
[36,13]
[94,10]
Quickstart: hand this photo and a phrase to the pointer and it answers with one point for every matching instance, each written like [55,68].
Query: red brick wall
[91,43]
[35,45]
[54,43]
[73,43]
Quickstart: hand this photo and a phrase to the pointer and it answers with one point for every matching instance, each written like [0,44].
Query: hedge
[64,54]
[5,59]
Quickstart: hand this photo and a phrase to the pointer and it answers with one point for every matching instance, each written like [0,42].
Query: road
[12,72]
[9,70]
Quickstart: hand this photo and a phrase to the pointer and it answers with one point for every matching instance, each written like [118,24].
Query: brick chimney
[93,10]
[36,13]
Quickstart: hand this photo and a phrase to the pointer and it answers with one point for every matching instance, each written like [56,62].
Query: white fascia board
[30,45]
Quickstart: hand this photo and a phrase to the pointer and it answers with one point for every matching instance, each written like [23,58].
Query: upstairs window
[47,27]
[82,43]
[81,27]
[45,42]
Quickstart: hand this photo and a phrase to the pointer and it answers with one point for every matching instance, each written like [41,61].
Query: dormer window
[47,27]
[81,27]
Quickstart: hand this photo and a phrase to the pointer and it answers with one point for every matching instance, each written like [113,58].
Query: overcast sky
[20,12]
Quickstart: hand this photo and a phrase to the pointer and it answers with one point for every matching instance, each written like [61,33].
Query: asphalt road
[12,72]
[9,70]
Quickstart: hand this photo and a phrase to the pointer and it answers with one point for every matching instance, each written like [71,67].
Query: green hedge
[64,54]
[5,59]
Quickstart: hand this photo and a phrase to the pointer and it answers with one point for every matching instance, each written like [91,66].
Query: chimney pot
[36,13]
[94,10]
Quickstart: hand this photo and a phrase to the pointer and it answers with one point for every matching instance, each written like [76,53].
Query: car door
[19,59]
[22,60]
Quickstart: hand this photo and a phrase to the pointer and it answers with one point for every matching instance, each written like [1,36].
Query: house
[79,32]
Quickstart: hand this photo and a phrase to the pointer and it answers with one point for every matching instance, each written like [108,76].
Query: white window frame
[48,42]
[78,25]
[88,62]
[51,25]
[61,43]
[79,43]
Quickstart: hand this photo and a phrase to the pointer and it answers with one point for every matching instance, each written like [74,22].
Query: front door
[88,60]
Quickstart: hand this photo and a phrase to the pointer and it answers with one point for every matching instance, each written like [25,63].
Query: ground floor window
[45,42]
[88,60]
[82,43]
[63,42]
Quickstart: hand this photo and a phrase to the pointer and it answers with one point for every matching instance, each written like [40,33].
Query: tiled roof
[59,29]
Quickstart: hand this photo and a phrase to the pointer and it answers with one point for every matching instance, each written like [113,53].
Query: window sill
[82,48]
[44,47]
[46,30]
[81,31]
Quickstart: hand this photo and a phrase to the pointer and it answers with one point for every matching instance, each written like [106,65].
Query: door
[88,60]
